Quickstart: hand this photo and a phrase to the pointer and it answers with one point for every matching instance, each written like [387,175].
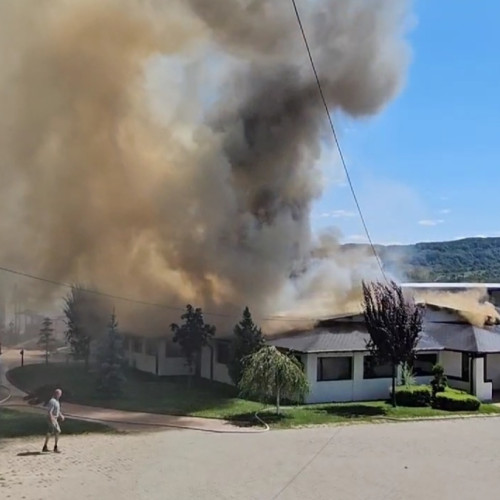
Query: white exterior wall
[220,371]
[356,389]
[452,364]
[167,366]
[482,389]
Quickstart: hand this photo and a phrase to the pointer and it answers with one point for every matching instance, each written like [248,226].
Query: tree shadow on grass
[249,420]
[355,411]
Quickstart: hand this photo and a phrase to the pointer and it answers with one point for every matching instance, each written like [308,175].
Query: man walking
[54,414]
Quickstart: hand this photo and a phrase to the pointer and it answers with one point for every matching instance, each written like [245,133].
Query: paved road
[455,460]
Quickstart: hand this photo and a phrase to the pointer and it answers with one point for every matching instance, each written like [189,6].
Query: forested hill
[470,259]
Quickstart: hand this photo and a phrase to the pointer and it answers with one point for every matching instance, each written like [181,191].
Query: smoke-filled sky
[429,161]
[170,151]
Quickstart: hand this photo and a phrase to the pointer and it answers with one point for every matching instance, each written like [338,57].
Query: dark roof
[465,338]
[353,337]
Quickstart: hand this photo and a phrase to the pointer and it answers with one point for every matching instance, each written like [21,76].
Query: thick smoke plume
[168,150]
[472,305]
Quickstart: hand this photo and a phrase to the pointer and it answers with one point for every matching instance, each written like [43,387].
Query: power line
[138,301]
[337,143]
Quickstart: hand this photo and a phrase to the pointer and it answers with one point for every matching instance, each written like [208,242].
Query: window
[126,343]
[465,366]
[137,345]
[339,368]
[223,352]
[151,347]
[423,364]
[371,369]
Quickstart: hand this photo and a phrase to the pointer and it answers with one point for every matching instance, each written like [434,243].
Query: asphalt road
[432,460]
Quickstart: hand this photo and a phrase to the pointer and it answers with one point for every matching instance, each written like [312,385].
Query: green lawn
[171,395]
[15,423]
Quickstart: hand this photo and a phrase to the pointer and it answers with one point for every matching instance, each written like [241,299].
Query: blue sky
[428,167]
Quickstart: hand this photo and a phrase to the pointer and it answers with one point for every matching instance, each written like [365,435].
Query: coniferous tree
[247,340]
[46,339]
[111,362]
[192,336]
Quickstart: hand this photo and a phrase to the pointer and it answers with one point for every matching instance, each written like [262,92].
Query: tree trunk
[278,400]
[394,372]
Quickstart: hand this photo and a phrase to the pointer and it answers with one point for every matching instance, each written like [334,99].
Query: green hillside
[470,259]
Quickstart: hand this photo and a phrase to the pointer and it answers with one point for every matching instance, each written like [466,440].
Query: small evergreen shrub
[414,395]
[439,383]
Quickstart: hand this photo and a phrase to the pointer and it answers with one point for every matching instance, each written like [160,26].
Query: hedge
[455,401]
[414,395]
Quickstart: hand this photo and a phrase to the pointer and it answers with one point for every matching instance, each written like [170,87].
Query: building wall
[220,371]
[493,369]
[356,389]
[167,366]
[482,388]
[452,363]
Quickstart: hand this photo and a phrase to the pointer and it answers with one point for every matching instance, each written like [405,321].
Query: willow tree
[394,323]
[269,373]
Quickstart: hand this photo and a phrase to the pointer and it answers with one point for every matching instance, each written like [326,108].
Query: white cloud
[337,214]
[356,238]
[430,222]
[445,211]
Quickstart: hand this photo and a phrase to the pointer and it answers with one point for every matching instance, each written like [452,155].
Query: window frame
[366,376]
[319,368]
[421,355]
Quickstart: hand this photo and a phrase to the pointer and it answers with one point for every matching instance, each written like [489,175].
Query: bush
[415,395]
[440,381]
[456,401]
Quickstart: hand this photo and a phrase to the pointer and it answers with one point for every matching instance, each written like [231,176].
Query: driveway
[447,460]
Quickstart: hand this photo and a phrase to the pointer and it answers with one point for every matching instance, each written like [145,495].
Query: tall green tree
[394,324]
[247,340]
[192,335]
[86,320]
[269,373]
[111,362]
[46,338]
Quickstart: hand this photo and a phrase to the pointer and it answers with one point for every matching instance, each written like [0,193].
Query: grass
[170,395]
[15,423]
[337,413]
[142,392]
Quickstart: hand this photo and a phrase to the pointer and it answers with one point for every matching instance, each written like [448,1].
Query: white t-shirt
[54,408]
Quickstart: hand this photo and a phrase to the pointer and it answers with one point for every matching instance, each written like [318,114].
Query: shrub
[439,382]
[407,375]
[415,395]
[456,401]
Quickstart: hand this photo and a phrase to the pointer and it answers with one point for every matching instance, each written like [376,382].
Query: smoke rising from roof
[199,191]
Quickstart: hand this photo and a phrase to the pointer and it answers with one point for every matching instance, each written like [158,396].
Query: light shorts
[53,428]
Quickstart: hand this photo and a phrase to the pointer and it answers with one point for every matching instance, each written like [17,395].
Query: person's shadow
[30,454]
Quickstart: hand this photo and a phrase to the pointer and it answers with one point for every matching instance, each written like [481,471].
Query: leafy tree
[192,336]
[394,324]
[85,321]
[247,340]
[111,362]
[269,373]
[46,339]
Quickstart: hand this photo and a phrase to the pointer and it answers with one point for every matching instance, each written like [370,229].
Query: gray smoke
[195,192]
